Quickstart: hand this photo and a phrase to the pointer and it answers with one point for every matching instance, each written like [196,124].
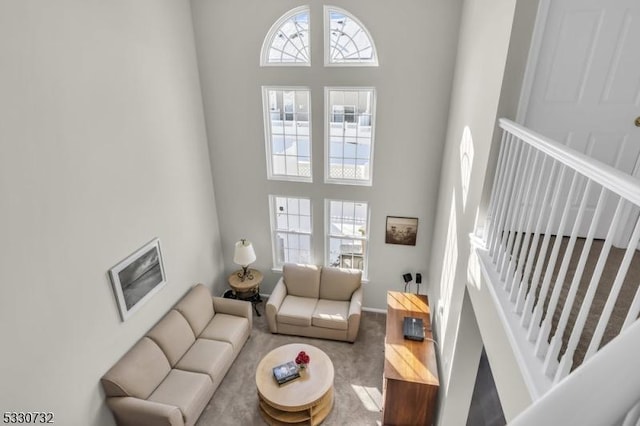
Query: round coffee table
[306,400]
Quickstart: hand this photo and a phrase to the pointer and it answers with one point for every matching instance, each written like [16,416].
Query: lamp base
[245,274]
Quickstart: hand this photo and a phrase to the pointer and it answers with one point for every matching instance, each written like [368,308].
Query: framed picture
[401,230]
[138,277]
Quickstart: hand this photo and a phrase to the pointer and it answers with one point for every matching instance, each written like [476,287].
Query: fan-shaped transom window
[287,42]
[347,41]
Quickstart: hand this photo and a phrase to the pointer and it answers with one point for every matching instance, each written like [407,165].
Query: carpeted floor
[358,376]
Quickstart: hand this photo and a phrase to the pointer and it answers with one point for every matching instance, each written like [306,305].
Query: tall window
[287,133]
[347,42]
[349,122]
[349,135]
[347,224]
[291,230]
[287,42]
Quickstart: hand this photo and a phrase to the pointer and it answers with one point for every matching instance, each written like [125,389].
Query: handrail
[591,387]
[619,182]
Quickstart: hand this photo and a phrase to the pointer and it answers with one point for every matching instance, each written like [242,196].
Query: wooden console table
[410,387]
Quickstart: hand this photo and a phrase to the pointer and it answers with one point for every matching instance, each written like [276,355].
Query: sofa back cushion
[174,336]
[301,280]
[339,283]
[139,372]
[197,307]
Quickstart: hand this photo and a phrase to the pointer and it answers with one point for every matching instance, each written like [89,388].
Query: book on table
[286,372]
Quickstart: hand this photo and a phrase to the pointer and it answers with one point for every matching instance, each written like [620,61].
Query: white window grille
[291,230]
[346,41]
[347,232]
[287,122]
[349,135]
[287,42]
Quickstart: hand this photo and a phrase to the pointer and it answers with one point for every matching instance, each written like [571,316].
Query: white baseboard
[376,310]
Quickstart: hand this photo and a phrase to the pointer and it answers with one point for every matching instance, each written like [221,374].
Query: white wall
[102,148]
[481,88]
[416,46]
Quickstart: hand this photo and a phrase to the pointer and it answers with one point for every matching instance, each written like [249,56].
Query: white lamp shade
[244,255]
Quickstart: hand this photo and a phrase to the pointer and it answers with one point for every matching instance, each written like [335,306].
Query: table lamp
[244,255]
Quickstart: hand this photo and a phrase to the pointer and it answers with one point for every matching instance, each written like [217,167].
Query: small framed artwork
[401,230]
[138,277]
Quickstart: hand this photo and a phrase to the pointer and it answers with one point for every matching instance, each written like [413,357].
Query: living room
[127,121]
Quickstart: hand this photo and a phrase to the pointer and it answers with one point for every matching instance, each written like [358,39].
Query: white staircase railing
[550,250]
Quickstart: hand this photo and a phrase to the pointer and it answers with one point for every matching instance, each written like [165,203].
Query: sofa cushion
[197,307]
[331,314]
[138,372]
[228,328]
[297,310]
[211,357]
[301,280]
[339,283]
[174,336]
[188,391]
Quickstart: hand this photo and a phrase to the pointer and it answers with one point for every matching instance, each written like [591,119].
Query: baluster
[516,211]
[517,262]
[556,341]
[504,198]
[528,298]
[633,416]
[634,311]
[567,358]
[615,291]
[534,327]
[498,180]
[507,234]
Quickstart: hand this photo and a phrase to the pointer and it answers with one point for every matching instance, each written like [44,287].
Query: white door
[586,86]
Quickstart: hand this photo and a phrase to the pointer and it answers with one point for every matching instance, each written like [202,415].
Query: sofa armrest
[135,411]
[273,304]
[355,311]
[239,308]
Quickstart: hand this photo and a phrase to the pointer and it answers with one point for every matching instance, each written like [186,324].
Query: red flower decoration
[302,358]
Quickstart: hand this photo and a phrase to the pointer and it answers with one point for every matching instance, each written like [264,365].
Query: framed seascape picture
[401,230]
[138,277]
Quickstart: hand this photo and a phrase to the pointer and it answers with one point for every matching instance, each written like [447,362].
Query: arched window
[347,42]
[287,42]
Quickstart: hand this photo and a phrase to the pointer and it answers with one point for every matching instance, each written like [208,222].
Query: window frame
[328,235]
[267,43]
[268,134]
[328,113]
[277,266]
[327,40]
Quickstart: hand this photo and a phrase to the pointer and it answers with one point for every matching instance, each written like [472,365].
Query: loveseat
[314,301]
[169,375]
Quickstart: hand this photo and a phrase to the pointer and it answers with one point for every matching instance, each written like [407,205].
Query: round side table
[249,289]
[307,400]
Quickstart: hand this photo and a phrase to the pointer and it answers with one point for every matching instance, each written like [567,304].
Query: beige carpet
[358,376]
[621,307]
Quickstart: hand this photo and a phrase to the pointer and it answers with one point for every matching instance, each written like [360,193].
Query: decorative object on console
[244,255]
[401,230]
[302,360]
[407,279]
[138,277]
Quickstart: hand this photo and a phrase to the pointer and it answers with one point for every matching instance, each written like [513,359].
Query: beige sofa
[315,301]
[170,374]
